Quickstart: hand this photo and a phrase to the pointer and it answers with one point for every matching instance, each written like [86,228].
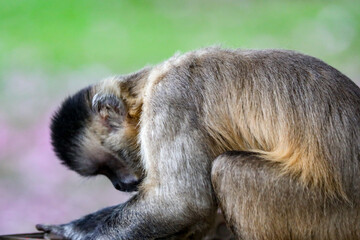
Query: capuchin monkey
[271,137]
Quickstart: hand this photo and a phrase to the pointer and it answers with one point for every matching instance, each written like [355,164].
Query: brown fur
[265,102]
[278,207]
[264,122]
[294,118]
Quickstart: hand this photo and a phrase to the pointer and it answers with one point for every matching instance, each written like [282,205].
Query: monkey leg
[260,203]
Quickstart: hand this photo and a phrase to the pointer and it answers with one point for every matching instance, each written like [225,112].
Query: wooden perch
[24,236]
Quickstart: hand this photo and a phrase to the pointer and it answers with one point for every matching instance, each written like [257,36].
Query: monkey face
[89,137]
[94,159]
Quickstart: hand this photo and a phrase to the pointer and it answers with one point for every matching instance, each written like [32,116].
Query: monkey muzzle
[128,183]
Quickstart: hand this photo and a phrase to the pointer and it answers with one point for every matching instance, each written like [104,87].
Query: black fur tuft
[68,124]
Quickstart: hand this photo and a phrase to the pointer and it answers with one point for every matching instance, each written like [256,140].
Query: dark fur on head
[68,124]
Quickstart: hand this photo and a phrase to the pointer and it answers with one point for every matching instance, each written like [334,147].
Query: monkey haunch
[272,137]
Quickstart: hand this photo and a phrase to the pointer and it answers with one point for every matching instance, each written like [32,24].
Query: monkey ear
[110,109]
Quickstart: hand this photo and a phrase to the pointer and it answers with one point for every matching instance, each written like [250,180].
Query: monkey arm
[83,228]
[116,222]
[176,201]
[136,219]
[181,201]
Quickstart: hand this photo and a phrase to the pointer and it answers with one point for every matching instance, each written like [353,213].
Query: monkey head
[90,136]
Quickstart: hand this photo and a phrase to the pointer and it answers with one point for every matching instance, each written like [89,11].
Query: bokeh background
[50,49]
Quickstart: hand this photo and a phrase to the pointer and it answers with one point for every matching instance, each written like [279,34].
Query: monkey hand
[58,230]
[87,227]
[70,231]
[110,109]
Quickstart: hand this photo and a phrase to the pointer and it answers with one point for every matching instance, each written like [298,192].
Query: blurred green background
[49,49]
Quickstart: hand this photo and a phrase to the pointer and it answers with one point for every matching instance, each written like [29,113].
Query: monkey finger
[43,227]
[55,229]
[106,101]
